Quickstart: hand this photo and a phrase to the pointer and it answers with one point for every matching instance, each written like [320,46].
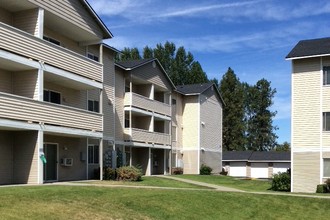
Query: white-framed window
[326,75]
[174,133]
[326,167]
[52,96]
[326,121]
[93,154]
[93,106]
[52,40]
[93,57]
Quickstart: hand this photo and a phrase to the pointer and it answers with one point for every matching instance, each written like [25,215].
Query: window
[52,96]
[173,102]
[326,167]
[93,57]
[126,123]
[93,154]
[93,106]
[326,75]
[174,133]
[326,121]
[52,40]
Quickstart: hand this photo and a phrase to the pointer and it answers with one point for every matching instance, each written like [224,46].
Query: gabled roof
[256,156]
[310,48]
[133,64]
[196,89]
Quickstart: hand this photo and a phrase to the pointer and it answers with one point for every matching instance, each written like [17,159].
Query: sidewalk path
[213,186]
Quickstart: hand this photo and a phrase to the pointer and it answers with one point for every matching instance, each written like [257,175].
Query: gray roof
[268,156]
[194,88]
[307,48]
[131,64]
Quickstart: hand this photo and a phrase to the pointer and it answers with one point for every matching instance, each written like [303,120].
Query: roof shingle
[256,156]
[193,88]
[313,47]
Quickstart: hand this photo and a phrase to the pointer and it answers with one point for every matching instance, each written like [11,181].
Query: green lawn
[76,202]
[150,181]
[243,184]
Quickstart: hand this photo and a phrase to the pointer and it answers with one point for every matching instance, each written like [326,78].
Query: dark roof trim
[142,63]
[256,156]
[111,48]
[107,32]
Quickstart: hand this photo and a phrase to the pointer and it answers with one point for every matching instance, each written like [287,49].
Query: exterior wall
[6,157]
[191,122]
[153,75]
[6,17]
[140,157]
[177,111]
[119,104]
[25,83]
[26,159]
[306,171]
[212,159]
[27,21]
[6,81]
[72,11]
[70,148]
[190,162]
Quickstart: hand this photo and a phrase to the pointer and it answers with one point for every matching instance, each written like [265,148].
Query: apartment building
[310,137]
[52,90]
[68,110]
[197,127]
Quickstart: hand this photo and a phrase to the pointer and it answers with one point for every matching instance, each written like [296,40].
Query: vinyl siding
[70,148]
[27,21]
[73,12]
[25,157]
[212,159]
[211,116]
[25,84]
[6,17]
[190,123]
[6,157]
[190,158]
[153,75]
[6,81]
[306,171]
[306,103]
[119,96]
[177,119]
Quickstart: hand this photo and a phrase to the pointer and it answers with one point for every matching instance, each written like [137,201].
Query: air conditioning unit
[67,162]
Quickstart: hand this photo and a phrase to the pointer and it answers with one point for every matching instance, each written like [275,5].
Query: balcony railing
[139,135]
[25,109]
[146,103]
[25,44]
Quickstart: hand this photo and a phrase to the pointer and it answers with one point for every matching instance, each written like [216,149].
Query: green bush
[205,170]
[177,170]
[109,173]
[321,188]
[281,182]
[128,173]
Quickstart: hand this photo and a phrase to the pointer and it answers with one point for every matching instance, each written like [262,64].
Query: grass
[77,202]
[243,184]
[150,181]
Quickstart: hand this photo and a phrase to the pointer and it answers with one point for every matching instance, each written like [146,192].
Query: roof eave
[305,57]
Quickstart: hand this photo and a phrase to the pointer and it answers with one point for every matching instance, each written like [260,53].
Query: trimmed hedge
[205,170]
[281,182]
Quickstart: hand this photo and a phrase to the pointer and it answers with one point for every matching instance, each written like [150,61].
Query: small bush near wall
[177,170]
[321,188]
[281,182]
[205,170]
[128,173]
[109,173]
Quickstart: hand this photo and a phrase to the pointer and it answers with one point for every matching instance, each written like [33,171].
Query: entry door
[50,168]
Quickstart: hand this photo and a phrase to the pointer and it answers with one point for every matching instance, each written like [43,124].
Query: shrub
[128,173]
[281,182]
[109,173]
[177,170]
[321,188]
[205,170]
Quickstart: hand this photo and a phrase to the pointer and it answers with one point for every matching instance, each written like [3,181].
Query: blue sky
[250,36]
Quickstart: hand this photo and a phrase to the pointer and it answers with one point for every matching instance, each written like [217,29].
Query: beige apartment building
[67,109]
[310,135]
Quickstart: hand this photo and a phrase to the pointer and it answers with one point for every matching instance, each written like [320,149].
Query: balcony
[145,136]
[143,102]
[25,44]
[26,109]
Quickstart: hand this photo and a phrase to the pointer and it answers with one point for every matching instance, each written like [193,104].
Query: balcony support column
[101,158]
[148,171]
[40,96]
[152,92]
[40,146]
[40,32]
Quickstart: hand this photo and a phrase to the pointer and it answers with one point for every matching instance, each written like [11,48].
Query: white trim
[311,56]
[199,134]
[321,118]
[164,117]
[71,131]
[133,109]
[101,158]
[292,138]
[41,15]
[19,59]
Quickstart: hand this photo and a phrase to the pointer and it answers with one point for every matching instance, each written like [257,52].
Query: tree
[233,113]
[283,147]
[148,52]
[260,133]
[130,54]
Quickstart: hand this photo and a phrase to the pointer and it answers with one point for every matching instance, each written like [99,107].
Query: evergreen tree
[233,113]
[148,52]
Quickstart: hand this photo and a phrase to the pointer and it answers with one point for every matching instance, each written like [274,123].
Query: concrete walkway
[213,186]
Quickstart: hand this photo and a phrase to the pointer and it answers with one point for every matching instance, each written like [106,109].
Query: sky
[252,37]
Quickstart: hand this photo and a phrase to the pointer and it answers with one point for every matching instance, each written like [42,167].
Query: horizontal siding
[306,171]
[25,84]
[6,84]
[19,108]
[147,136]
[190,159]
[22,43]
[143,102]
[73,12]
[27,21]
[119,100]
[326,139]
[6,17]
[190,122]
[177,118]
[306,103]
